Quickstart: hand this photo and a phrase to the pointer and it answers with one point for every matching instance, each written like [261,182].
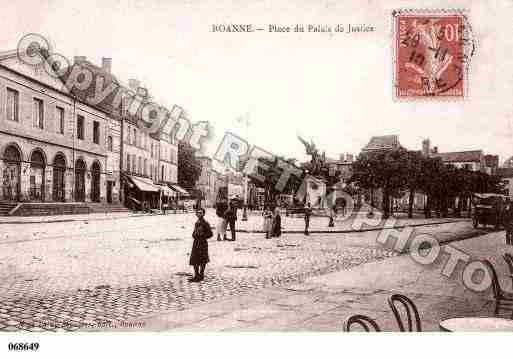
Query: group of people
[272,221]
[226,212]
[227,216]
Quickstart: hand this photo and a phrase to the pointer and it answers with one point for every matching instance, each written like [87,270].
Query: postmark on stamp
[432,51]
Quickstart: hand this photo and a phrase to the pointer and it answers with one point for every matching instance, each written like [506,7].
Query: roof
[144,184]
[462,156]
[381,143]
[178,189]
[166,191]
[107,103]
[505,172]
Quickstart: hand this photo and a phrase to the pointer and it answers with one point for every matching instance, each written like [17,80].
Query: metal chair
[410,308]
[502,299]
[364,321]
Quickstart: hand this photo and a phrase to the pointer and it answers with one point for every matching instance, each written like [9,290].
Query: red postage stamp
[432,50]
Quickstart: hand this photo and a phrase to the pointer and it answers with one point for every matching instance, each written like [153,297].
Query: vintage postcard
[195,166]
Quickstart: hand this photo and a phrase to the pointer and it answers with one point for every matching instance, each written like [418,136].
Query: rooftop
[380,143]
[461,156]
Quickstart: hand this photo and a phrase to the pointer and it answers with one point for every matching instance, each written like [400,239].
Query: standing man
[332,214]
[231,218]
[508,221]
[221,207]
[308,213]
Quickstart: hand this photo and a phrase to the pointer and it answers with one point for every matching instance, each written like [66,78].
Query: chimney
[79,59]
[107,64]
[341,158]
[426,147]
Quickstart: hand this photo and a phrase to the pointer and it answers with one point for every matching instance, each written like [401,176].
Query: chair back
[509,261]
[497,291]
[411,313]
[364,321]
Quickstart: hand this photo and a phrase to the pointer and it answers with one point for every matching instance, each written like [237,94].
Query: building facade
[53,146]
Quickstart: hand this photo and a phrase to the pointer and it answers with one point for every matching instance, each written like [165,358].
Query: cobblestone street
[74,275]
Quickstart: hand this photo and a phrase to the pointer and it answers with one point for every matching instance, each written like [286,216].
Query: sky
[335,89]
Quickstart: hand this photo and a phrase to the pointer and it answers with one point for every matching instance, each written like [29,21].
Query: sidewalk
[323,303]
[68,218]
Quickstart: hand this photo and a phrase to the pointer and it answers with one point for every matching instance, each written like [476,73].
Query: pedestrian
[221,208]
[308,213]
[332,214]
[268,218]
[343,206]
[508,221]
[199,253]
[231,217]
[276,223]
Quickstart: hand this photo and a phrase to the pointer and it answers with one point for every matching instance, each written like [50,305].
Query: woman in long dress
[268,219]
[199,254]
[276,226]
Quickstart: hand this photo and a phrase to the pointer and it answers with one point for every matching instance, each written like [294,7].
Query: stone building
[208,181]
[54,147]
[143,164]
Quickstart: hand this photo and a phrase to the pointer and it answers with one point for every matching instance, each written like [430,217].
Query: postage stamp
[432,51]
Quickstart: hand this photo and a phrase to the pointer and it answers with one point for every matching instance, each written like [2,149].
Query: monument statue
[317,161]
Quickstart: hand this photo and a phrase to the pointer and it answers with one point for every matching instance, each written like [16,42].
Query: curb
[357,230]
[75,220]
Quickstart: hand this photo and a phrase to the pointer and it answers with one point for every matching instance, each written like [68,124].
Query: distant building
[506,174]
[343,165]
[508,163]
[474,160]
[382,143]
[208,181]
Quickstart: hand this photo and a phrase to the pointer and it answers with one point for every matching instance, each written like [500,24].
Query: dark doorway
[80,170]
[110,184]
[11,184]
[37,177]
[95,182]
[59,170]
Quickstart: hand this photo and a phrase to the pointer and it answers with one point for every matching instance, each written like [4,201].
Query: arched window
[135,137]
[145,167]
[139,165]
[59,170]
[11,185]
[109,143]
[162,174]
[95,182]
[128,162]
[80,170]
[37,176]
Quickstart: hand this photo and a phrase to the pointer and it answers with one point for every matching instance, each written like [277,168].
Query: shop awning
[179,189]
[144,184]
[166,191]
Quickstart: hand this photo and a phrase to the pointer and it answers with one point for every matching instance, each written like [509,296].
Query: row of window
[143,140]
[38,116]
[139,166]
